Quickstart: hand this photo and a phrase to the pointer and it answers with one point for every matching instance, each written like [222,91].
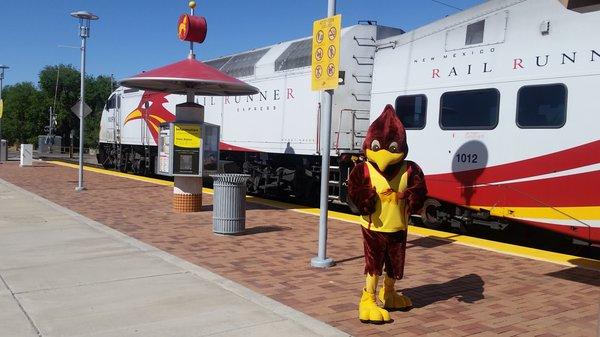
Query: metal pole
[321,260]
[82,93]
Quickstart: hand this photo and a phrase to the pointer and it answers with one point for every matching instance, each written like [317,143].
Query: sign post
[325,69]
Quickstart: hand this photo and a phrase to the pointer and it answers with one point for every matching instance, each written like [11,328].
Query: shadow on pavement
[349,259]
[577,274]
[468,288]
[427,242]
[262,229]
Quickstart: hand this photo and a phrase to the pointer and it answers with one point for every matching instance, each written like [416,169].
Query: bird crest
[151,110]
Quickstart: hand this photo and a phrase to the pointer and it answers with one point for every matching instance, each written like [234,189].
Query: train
[497,101]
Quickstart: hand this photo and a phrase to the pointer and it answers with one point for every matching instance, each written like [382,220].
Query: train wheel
[429,214]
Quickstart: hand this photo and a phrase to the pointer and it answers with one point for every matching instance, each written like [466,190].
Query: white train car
[500,105]
[273,135]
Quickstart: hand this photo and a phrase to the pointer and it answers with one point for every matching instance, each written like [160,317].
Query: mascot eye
[375,146]
[394,147]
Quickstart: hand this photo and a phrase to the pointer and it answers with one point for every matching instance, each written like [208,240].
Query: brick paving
[456,290]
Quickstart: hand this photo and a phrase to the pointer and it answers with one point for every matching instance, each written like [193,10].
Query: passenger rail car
[501,106]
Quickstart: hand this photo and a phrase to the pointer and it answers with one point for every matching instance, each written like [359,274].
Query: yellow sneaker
[369,312]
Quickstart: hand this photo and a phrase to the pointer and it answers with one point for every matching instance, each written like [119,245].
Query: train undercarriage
[295,178]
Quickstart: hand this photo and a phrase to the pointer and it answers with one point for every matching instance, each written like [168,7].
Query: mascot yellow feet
[369,312]
[391,300]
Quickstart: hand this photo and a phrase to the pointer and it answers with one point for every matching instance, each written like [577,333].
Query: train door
[112,124]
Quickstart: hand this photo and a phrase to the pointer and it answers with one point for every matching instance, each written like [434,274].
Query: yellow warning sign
[325,64]
[1,107]
[187,136]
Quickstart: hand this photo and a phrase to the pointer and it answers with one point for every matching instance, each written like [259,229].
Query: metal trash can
[229,203]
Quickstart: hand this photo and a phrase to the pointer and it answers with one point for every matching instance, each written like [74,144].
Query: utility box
[188,149]
[3,151]
[26,155]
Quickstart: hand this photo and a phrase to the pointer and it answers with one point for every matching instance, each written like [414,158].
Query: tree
[24,116]
[67,90]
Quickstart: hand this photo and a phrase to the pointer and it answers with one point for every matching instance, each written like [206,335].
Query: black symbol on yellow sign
[319,54]
[331,51]
[330,69]
[332,33]
[318,71]
[320,36]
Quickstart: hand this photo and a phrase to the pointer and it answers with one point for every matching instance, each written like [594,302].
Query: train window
[111,103]
[296,55]
[542,106]
[475,33]
[469,110]
[243,64]
[218,63]
[412,110]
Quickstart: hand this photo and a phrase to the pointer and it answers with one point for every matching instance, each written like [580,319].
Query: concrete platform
[456,290]
[65,275]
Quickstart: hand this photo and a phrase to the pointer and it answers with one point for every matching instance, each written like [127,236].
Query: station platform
[66,275]
[457,289]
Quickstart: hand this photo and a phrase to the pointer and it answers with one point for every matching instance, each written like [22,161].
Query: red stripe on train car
[583,155]
[575,190]
[229,147]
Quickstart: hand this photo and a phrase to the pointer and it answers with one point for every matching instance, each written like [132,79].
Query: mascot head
[385,143]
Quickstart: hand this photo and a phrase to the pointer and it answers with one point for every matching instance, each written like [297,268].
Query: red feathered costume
[386,190]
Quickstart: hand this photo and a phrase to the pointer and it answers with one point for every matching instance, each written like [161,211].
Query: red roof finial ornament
[190,76]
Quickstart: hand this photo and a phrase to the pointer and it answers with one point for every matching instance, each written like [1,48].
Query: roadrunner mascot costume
[385,189]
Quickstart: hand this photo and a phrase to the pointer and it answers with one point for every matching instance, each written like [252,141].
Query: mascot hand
[367,202]
[360,191]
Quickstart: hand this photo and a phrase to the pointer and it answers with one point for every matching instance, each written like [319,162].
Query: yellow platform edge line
[499,247]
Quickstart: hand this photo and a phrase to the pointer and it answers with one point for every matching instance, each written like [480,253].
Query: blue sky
[135,35]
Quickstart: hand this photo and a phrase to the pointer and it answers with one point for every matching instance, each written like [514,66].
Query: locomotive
[497,100]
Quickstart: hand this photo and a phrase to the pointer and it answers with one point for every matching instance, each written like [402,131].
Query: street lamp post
[84,32]
[2,153]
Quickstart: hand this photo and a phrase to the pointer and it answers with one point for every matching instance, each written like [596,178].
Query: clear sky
[135,35]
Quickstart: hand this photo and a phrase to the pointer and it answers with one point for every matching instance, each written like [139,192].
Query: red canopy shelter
[189,77]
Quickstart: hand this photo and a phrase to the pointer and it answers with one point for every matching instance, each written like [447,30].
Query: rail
[356,97]
[358,59]
[369,81]
[370,39]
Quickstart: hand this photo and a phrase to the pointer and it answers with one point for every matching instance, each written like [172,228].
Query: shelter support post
[187,191]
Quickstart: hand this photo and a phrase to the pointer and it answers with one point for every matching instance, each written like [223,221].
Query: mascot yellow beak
[384,158]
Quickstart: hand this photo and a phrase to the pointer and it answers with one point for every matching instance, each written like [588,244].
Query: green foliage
[26,107]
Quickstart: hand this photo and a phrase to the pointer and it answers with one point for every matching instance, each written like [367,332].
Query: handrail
[386,45]
[360,100]
[364,38]
[359,81]
[356,58]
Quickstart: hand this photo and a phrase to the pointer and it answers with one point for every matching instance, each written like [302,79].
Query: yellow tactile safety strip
[505,248]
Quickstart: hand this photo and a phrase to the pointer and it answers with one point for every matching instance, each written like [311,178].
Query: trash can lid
[230,177]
